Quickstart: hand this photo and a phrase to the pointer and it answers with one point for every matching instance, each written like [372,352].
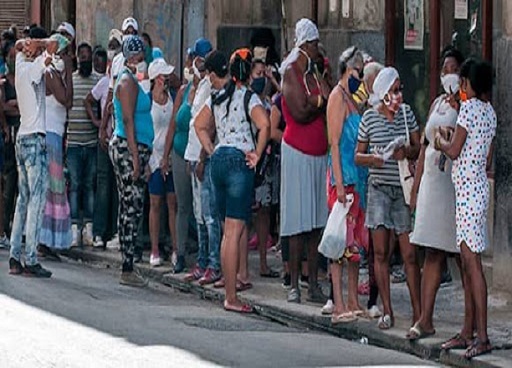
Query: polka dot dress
[469,174]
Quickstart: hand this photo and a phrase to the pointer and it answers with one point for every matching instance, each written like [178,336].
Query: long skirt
[56,231]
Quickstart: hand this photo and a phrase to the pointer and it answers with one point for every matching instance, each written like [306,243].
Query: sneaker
[155,261]
[132,279]
[87,237]
[74,234]
[174,259]
[37,271]
[374,312]
[15,267]
[287,281]
[114,243]
[194,275]
[304,282]
[315,295]
[328,308]
[211,276]
[294,296]
[98,242]
[4,242]
[180,265]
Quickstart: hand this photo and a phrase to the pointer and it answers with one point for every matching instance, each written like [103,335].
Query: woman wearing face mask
[266,194]
[435,223]
[386,207]
[345,178]
[56,228]
[471,148]
[130,150]
[233,160]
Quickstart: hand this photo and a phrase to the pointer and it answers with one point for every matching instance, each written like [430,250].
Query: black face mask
[85,68]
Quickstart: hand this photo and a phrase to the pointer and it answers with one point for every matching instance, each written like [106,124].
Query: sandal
[346,317]
[457,342]
[220,284]
[244,308]
[416,332]
[477,348]
[270,274]
[243,286]
[385,322]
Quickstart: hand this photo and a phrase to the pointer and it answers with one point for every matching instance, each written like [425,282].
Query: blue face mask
[258,85]
[353,84]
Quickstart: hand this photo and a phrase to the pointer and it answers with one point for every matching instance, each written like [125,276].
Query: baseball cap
[68,28]
[117,35]
[202,47]
[159,67]
[217,62]
[130,22]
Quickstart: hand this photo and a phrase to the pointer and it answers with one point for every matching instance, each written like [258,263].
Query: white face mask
[188,75]
[111,54]
[450,83]
[58,64]
[142,67]
[197,73]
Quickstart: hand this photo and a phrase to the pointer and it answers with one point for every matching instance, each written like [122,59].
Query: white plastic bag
[406,176]
[334,239]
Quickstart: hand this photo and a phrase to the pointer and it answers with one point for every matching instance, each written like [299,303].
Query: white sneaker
[174,259]
[4,242]
[114,243]
[374,312]
[328,308]
[98,242]
[155,261]
[74,232]
[87,237]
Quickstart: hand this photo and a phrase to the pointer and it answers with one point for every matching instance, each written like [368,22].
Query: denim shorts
[233,182]
[158,186]
[386,208]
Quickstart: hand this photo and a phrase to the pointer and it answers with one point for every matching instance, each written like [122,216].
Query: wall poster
[414,22]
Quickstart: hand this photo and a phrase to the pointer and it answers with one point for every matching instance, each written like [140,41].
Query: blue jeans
[32,186]
[106,202]
[207,218]
[82,171]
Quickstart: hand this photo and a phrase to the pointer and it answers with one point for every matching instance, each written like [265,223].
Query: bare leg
[412,270]
[469,308]
[353,282]
[2,229]
[230,259]
[381,256]
[295,259]
[154,222]
[243,261]
[262,229]
[337,288]
[430,282]
[313,240]
[171,206]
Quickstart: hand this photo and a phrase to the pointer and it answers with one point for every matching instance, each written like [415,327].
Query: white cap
[305,31]
[159,67]
[117,35]
[384,81]
[68,28]
[130,22]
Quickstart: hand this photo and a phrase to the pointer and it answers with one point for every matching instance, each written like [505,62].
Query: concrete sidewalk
[269,299]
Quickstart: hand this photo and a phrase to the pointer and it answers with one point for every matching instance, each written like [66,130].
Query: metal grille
[13,12]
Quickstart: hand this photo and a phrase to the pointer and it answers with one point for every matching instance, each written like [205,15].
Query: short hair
[452,52]
[480,74]
[83,45]
[100,52]
[37,33]
[349,58]
[372,69]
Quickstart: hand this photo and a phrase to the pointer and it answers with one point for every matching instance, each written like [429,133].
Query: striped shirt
[376,130]
[81,130]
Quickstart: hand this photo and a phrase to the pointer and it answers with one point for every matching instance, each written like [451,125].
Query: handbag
[334,238]
[406,176]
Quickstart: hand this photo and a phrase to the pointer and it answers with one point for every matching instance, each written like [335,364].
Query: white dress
[435,207]
[469,174]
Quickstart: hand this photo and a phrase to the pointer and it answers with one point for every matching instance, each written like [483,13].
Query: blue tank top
[352,174]
[183,117]
[143,121]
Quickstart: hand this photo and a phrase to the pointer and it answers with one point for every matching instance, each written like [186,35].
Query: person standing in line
[161,183]
[82,142]
[105,201]
[31,64]
[56,228]
[470,147]
[233,160]
[130,150]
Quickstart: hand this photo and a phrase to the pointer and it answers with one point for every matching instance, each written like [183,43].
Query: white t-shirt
[100,91]
[234,130]
[204,90]
[31,91]
[161,120]
[116,68]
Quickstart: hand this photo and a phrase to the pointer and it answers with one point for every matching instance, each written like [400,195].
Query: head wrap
[132,45]
[68,28]
[305,31]
[130,22]
[157,53]
[384,82]
[62,41]
[117,35]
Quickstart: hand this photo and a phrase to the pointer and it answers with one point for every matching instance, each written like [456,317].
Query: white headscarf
[384,81]
[305,31]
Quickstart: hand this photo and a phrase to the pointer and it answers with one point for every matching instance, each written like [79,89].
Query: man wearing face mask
[82,139]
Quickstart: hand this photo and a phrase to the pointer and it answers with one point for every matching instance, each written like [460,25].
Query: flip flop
[271,274]
[477,348]
[457,342]
[244,309]
[219,284]
[243,286]
[417,333]
[359,313]
[346,317]
[385,322]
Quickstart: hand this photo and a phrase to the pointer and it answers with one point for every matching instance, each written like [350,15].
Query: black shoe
[15,267]
[180,265]
[304,281]
[37,271]
[287,281]
[446,278]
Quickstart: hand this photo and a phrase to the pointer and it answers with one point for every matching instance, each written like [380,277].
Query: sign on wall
[414,22]
[461,9]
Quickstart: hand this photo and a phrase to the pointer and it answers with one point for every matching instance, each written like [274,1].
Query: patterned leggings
[131,195]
